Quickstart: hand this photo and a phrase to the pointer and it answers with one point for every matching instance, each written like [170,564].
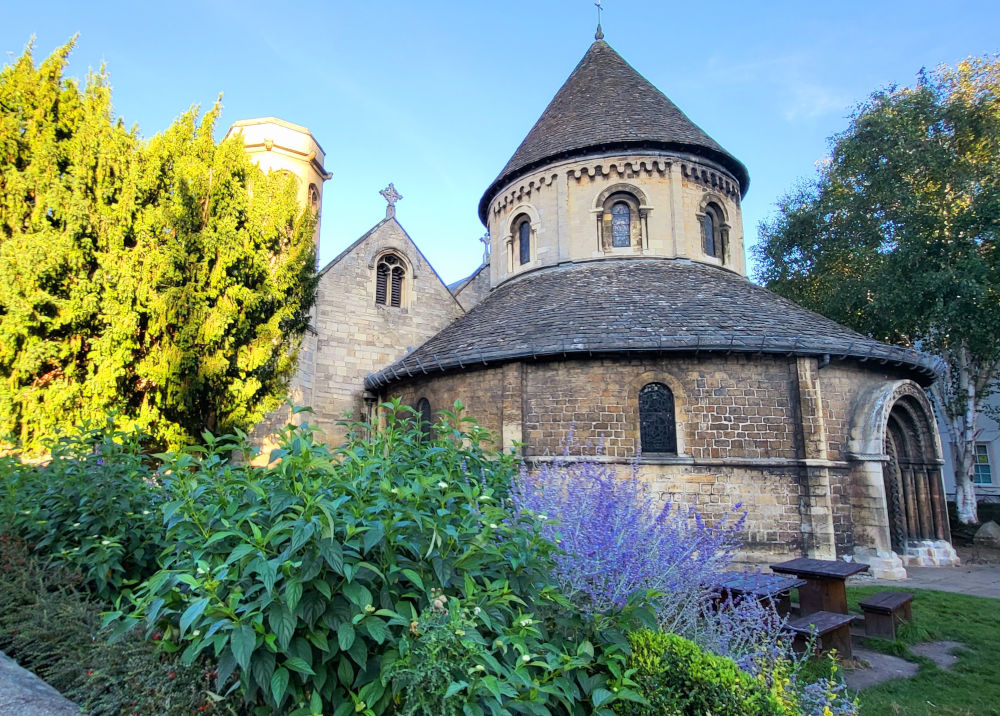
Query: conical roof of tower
[606,105]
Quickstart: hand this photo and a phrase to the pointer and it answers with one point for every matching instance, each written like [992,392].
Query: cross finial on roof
[485,238]
[599,35]
[391,196]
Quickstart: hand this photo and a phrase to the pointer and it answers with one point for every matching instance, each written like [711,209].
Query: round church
[612,316]
[618,314]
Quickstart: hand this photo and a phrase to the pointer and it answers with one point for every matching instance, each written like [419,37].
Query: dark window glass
[709,230]
[381,283]
[426,417]
[657,429]
[620,225]
[524,241]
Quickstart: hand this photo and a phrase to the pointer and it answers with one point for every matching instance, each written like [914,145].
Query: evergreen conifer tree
[168,280]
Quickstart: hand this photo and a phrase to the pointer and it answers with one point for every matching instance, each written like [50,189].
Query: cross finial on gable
[391,196]
[599,35]
[485,238]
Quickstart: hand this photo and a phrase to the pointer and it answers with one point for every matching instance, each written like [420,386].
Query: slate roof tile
[646,305]
[606,105]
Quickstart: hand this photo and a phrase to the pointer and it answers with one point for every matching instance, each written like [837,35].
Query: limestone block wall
[355,336]
[762,430]
[564,203]
[476,289]
[735,406]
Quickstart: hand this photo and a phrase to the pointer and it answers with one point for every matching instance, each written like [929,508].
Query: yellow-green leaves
[169,279]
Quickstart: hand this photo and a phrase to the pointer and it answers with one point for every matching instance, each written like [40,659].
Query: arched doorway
[912,476]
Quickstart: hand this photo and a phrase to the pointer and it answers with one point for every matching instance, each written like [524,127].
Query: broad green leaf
[242,642]
[345,636]
[599,697]
[192,612]
[296,664]
[279,683]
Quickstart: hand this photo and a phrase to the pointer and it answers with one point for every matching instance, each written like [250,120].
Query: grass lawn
[971,687]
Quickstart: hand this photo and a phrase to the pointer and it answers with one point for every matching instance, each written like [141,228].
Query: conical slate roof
[606,105]
[653,306]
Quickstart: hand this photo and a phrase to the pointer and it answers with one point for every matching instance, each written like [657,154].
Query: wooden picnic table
[762,587]
[825,588]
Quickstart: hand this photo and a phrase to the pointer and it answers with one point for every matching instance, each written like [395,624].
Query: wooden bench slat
[819,622]
[885,601]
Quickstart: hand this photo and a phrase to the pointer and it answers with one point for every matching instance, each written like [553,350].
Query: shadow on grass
[971,687]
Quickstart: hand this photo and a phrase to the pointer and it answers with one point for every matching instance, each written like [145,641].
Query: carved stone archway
[911,476]
[900,516]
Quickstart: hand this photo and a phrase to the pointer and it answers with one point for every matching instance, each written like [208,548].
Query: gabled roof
[606,105]
[626,306]
[372,231]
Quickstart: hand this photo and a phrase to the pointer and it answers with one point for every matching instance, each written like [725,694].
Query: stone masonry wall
[768,432]
[355,336]
[735,406]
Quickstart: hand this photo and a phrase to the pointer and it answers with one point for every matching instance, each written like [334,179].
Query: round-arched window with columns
[619,219]
[713,231]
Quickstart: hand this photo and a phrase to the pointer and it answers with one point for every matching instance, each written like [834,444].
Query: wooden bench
[883,611]
[831,630]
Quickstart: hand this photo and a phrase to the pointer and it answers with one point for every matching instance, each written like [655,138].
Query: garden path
[978,580]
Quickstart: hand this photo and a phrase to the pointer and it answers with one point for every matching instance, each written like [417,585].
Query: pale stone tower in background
[276,145]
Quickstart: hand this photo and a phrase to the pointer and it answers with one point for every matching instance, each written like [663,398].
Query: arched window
[426,416]
[621,222]
[524,241]
[657,429]
[711,231]
[620,219]
[389,276]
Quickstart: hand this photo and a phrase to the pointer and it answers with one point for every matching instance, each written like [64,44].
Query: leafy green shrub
[50,624]
[676,677]
[448,664]
[303,577]
[91,506]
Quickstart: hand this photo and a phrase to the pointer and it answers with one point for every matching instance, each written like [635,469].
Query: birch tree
[897,237]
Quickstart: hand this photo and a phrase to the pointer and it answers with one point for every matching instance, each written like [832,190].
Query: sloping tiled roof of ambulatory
[637,305]
[606,105]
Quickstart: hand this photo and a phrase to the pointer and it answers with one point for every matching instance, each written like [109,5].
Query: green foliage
[90,507]
[168,280]
[454,660]
[898,236]
[307,577]
[50,624]
[677,678]
[968,687]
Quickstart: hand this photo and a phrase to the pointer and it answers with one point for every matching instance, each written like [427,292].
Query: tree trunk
[965,491]
[964,448]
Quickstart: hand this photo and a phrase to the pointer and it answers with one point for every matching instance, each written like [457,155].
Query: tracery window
[657,427]
[711,231]
[524,241]
[621,222]
[389,275]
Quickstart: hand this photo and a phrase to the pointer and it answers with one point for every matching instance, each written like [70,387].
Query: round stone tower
[619,315]
[276,145]
[613,169]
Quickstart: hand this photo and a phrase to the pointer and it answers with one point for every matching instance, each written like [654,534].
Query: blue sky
[436,96]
